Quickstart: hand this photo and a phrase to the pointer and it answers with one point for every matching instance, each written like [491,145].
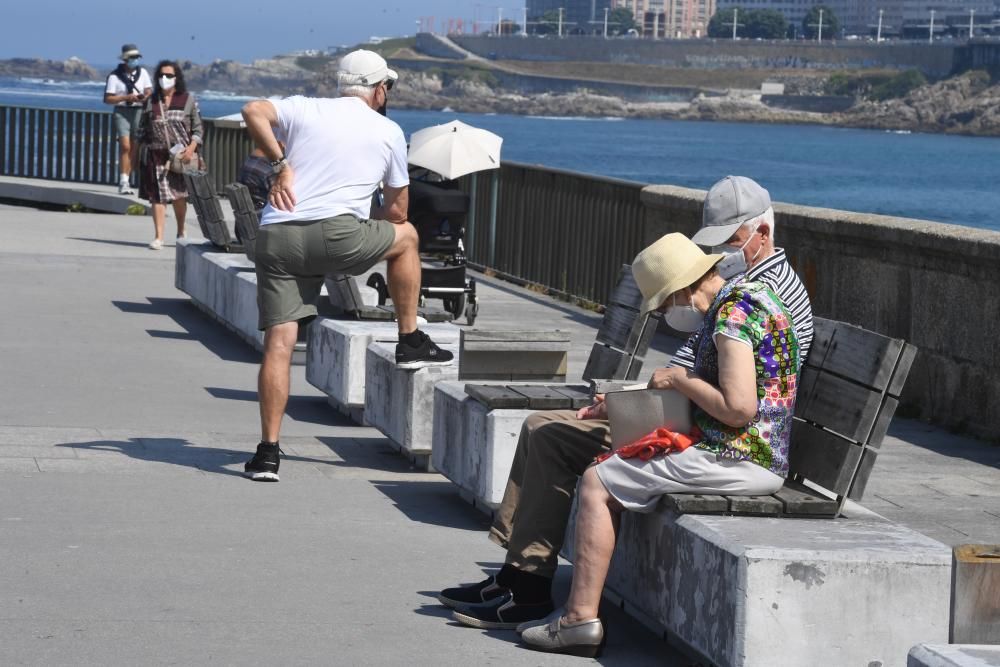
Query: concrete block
[975,610]
[400,403]
[336,355]
[743,591]
[474,446]
[954,655]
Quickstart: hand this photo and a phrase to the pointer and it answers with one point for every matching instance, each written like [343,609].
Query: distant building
[910,18]
[670,19]
[579,16]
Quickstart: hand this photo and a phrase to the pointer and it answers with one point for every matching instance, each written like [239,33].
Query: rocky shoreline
[967,104]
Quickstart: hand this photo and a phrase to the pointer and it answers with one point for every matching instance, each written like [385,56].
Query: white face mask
[734,262]
[166,83]
[683,318]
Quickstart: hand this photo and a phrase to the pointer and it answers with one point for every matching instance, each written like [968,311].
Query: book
[636,411]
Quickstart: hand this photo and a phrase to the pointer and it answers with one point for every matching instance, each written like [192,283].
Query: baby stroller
[438,211]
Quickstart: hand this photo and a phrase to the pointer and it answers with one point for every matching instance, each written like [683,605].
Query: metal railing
[80,146]
[565,231]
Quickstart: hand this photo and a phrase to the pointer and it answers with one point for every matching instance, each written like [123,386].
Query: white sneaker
[155,244]
[125,189]
[182,236]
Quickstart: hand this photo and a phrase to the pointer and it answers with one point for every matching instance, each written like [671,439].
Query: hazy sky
[203,30]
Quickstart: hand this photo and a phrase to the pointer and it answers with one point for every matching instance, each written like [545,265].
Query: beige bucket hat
[671,263]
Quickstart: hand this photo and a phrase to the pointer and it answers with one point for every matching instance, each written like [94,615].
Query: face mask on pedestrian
[733,261]
[167,82]
[683,318]
[133,62]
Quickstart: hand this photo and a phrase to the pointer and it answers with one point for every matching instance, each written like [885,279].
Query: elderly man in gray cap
[555,447]
[319,220]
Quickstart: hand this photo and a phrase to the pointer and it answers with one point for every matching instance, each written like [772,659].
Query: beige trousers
[552,453]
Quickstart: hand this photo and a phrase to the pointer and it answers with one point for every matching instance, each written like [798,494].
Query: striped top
[776,273]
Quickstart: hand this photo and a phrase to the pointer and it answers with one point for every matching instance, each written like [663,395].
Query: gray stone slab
[400,403]
[953,655]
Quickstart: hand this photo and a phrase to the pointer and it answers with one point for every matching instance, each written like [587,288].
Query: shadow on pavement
[132,244]
[179,452]
[435,503]
[304,409]
[215,337]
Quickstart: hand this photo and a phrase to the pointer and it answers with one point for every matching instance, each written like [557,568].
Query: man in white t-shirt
[127,87]
[319,220]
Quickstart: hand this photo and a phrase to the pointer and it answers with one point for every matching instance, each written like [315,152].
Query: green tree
[547,23]
[765,24]
[721,23]
[810,24]
[620,20]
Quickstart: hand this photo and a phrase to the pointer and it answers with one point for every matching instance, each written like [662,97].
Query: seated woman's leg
[597,521]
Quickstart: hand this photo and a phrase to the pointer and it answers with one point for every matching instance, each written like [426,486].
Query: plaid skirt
[158,184]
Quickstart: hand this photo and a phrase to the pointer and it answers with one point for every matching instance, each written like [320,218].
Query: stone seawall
[931,283]
[932,59]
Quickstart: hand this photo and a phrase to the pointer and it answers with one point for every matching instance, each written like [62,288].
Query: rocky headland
[966,104]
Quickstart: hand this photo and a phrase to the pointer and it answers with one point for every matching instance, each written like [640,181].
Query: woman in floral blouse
[742,394]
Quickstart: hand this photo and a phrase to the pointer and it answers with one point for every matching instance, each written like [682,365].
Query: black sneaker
[462,596]
[263,467]
[423,355]
[501,613]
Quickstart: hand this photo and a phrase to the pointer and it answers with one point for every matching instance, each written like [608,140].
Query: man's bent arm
[261,118]
[395,204]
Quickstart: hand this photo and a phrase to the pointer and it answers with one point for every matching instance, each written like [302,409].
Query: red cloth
[657,443]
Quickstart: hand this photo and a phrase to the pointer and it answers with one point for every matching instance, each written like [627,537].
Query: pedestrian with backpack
[127,88]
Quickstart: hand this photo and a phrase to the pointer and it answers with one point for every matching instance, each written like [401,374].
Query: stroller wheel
[378,282]
[455,305]
[471,310]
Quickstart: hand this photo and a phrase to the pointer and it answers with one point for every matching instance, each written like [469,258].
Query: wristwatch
[279,164]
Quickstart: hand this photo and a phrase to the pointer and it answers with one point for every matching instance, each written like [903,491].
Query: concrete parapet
[473,445]
[954,655]
[336,355]
[743,591]
[930,283]
[400,403]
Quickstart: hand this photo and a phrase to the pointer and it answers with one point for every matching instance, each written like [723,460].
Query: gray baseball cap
[731,202]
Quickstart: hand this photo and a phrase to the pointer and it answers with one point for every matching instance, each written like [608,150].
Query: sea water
[945,178]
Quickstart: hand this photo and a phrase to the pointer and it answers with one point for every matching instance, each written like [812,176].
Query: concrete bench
[222,285]
[400,403]
[954,655]
[337,353]
[513,355]
[490,415]
[757,590]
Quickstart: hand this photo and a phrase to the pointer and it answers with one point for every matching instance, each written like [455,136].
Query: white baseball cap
[363,67]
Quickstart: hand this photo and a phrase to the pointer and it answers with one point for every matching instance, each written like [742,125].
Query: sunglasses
[388,84]
[169,76]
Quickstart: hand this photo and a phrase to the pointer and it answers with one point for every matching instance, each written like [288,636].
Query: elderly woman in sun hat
[742,394]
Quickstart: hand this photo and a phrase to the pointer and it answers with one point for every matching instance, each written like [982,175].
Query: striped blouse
[776,273]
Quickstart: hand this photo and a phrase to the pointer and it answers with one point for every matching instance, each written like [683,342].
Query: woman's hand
[667,378]
[188,153]
[597,410]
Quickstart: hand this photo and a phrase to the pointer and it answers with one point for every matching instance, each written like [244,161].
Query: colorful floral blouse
[752,313]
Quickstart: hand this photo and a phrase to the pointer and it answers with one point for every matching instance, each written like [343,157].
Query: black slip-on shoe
[427,353]
[263,467]
[501,614]
[462,596]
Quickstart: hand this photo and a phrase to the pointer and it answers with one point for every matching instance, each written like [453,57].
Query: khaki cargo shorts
[292,258]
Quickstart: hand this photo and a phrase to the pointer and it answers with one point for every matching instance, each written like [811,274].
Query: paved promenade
[128,537]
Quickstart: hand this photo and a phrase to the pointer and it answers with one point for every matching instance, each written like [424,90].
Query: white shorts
[638,484]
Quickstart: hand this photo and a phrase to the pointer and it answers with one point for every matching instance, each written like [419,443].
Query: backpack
[128,78]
